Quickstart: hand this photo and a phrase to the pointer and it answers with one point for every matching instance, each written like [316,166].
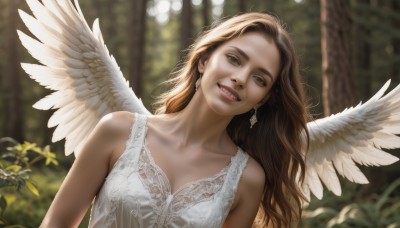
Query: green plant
[375,211]
[15,169]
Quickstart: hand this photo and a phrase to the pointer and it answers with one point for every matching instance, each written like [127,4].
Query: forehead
[259,47]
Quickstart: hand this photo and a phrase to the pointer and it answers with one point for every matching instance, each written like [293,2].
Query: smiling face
[239,74]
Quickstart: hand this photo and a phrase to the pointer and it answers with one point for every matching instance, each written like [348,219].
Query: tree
[186,25]
[363,49]
[105,10]
[3,88]
[396,42]
[13,75]
[205,12]
[338,86]
[136,39]
[242,6]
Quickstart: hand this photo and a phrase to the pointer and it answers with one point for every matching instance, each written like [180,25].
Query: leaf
[10,199]
[394,225]
[29,146]
[386,193]
[392,210]
[14,168]
[51,160]
[8,139]
[318,212]
[32,188]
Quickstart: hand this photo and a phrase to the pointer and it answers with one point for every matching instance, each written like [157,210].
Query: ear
[202,64]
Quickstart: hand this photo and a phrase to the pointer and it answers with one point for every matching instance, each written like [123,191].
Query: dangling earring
[253,118]
[197,85]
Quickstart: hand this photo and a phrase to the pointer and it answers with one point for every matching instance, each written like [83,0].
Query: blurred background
[148,38]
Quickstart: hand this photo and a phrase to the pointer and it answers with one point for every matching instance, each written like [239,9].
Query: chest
[180,165]
[138,193]
[143,196]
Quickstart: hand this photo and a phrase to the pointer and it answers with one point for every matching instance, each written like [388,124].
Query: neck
[198,125]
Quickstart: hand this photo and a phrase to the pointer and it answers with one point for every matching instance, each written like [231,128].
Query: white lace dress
[137,192]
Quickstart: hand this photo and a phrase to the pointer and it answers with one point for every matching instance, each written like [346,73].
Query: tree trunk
[3,92]
[271,5]
[396,43]
[205,12]
[106,11]
[186,26]
[14,114]
[337,83]
[46,132]
[137,33]
[242,6]
[363,53]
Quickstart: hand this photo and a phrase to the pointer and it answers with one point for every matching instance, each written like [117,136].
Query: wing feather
[313,182]
[76,64]
[354,136]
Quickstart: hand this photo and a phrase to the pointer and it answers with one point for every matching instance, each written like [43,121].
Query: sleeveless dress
[137,193]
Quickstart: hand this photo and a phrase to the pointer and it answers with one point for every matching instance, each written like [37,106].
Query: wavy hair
[281,120]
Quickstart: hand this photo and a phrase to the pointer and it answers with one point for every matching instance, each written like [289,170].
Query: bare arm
[88,172]
[248,197]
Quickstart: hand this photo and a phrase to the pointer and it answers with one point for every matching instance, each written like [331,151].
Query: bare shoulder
[248,196]
[116,127]
[253,174]
[116,124]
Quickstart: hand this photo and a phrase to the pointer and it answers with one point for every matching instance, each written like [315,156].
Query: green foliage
[375,211]
[29,211]
[15,169]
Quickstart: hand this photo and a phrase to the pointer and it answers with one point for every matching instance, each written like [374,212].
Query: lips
[229,92]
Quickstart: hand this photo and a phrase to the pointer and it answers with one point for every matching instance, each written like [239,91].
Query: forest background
[361,40]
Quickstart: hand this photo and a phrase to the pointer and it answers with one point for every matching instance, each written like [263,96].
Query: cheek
[220,65]
[258,94]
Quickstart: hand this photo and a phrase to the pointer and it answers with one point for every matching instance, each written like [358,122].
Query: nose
[239,78]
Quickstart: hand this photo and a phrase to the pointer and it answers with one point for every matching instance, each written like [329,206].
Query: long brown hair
[281,120]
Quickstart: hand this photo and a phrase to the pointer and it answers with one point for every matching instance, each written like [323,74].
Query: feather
[87,81]
[356,135]
[346,167]
[314,182]
[49,101]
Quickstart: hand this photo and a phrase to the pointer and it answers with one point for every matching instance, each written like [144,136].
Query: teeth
[229,94]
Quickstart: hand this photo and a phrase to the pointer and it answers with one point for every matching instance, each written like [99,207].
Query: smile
[229,93]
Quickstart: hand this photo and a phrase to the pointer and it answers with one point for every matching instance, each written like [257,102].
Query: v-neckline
[187,184]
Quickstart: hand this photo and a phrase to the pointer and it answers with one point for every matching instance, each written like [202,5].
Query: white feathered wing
[355,135]
[77,65]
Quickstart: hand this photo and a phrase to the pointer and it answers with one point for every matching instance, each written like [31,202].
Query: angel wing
[356,135]
[87,81]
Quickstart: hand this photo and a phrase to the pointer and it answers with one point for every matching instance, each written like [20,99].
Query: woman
[186,166]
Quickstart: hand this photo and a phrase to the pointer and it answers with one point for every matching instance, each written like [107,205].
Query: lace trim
[229,188]
[156,181]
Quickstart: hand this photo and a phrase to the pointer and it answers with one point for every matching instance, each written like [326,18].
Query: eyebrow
[242,53]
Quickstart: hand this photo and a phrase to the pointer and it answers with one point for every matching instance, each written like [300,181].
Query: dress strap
[235,172]
[229,188]
[136,138]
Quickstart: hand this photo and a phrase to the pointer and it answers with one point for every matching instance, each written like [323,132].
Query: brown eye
[234,60]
